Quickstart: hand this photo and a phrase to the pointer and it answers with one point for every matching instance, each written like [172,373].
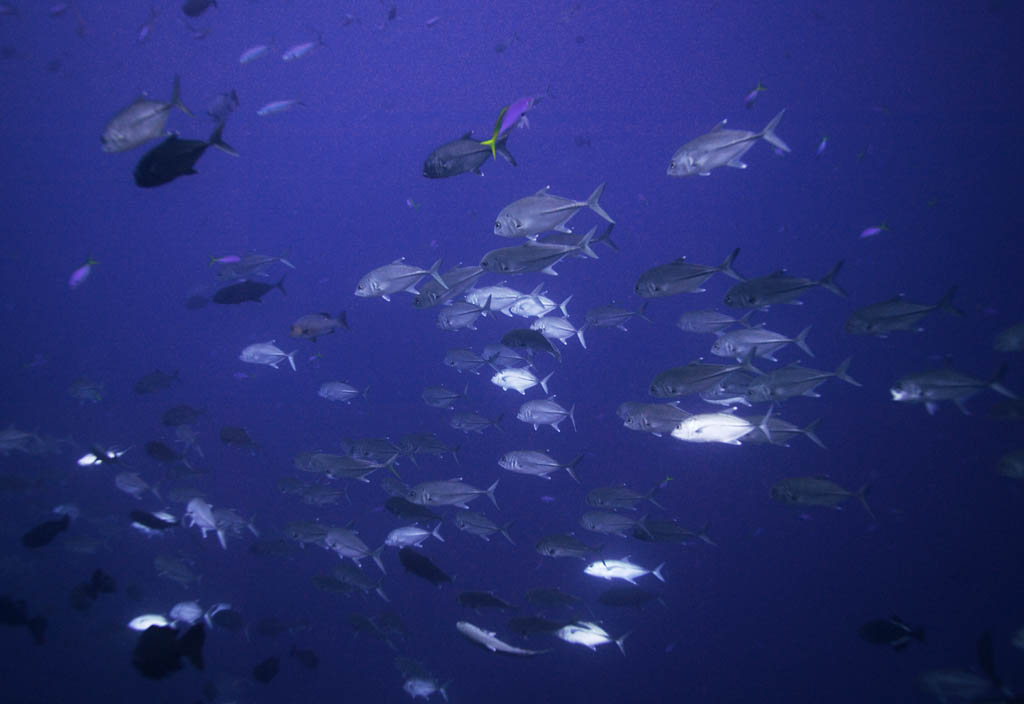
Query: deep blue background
[918,102]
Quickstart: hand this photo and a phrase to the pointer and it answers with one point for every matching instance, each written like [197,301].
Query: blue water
[917,104]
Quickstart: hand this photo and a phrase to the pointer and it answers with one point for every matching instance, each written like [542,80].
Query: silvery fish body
[141,121]
[267,353]
[532,215]
[721,147]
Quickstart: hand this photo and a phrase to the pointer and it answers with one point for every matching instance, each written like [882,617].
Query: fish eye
[751,299]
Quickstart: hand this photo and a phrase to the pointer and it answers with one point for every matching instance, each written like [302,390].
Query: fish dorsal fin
[897,298]
[467,135]
[679,260]
[720,125]
[777,273]
[399,260]
[543,191]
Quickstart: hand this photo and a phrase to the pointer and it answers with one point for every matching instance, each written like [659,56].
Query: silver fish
[778,287]
[897,313]
[490,640]
[945,384]
[534,256]
[546,412]
[141,121]
[530,216]
[721,147]
[395,277]
[267,353]
[680,276]
[762,343]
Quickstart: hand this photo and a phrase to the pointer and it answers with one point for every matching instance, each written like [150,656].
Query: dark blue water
[917,104]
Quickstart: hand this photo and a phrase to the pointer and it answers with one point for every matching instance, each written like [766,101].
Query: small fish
[874,230]
[79,275]
[253,53]
[141,121]
[721,147]
[267,353]
[226,259]
[304,49]
[821,147]
[222,106]
[276,106]
[194,8]
[748,102]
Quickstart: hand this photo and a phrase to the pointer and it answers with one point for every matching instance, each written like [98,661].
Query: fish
[222,105]
[267,353]
[133,485]
[612,316]
[534,256]
[253,53]
[277,106]
[480,525]
[267,669]
[679,276]
[353,577]
[621,569]
[461,315]
[622,497]
[441,397]
[346,543]
[781,431]
[541,212]
[778,287]
[156,381]
[449,492]
[483,600]
[795,380]
[551,598]
[250,266]
[537,305]
[159,650]
[611,523]
[555,328]
[490,641]
[874,230]
[748,101]
[44,533]
[236,437]
[654,418]
[721,147]
[757,341]
[709,321]
[947,384]
[424,687]
[182,414]
[1010,339]
[194,8]
[456,281]
[244,291]
[392,278]
[176,157]
[304,49]
[474,422]
[407,536]
[519,380]
[695,377]
[500,356]
[154,521]
[79,275]
[897,313]
[421,566]
[463,155]
[724,427]
[890,631]
[537,464]
[340,391]
[141,121]
[531,341]
[817,491]
[589,635]
[463,359]
[406,510]
[546,412]
[144,621]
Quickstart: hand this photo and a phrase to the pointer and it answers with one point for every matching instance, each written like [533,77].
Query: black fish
[159,650]
[305,656]
[228,619]
[245,291]
[147,519]
[155,381]
[483,600]
[531,341]
[235,437]
[45,532]
[421,566]
[463,155]
[890,631]
[161,452]
[267,670]
[180,415]
[194,8]
[407,510]
[527,625]
[14,612]
[626,595]
[175,157]
[102,583]
[84,594]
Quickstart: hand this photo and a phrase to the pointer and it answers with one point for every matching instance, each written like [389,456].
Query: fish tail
[829,280]
[592,203]
[493,141]
[563,306]
[503,150]
[579,335]
[811,435]
[544,385]
[768,133]
[945,303]
[217,141]
[841,372]
[571,467]
[490,493]
[657,572]
[504,531]
[176,97]
[654,489]
[705,536]
[763,427]
[621,642]
[801,341]
[291,359]
[861,495]
[572,417]
[999,388]
[435,532]
[437,277]
[380,563]
[280,285]
[584,244]
[726,267]
[606,237]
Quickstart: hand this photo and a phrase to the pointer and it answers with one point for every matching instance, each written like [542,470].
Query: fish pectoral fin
[737,164]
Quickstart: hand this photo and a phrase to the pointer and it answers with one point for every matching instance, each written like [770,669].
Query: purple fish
[515,114]
[748,102]
[821,146]
[872,231]
[226,259]
[79,275]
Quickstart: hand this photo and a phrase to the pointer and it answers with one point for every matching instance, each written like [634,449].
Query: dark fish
[45,532]
[236,437]
[626,595]
[483,600]
[228,619]
[463,155]
[84,594]
[159,650]
[147,519]
[222,105]
[306,657]
[890,631]
[665,531]
[161,452]
[267,670]
[102,582]
[531,340]
[403,508]
[176,157]
[528,625]
[14,612]
[156,381]
[421,566]
[180,415]
[194,8]
[245,291]
[551,597]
